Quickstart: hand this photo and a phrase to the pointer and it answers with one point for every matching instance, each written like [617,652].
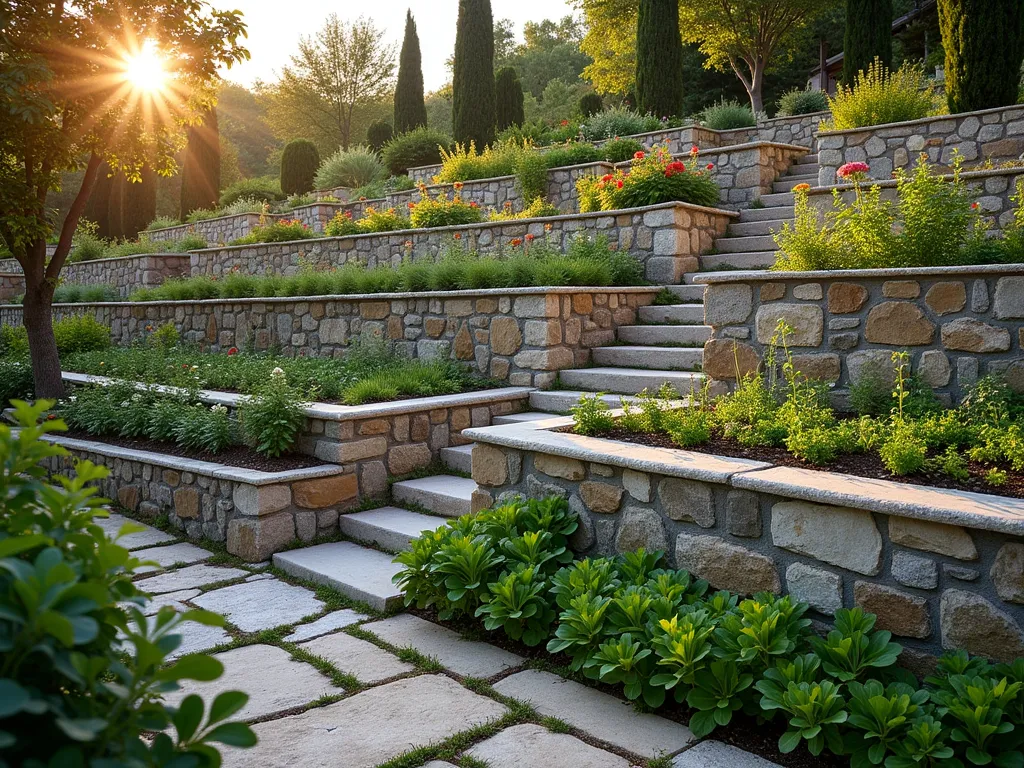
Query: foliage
[273,416]
[473,97]
[163,222]
[350,168]
[298,201]
[802,101]
[592,415]
[464,162]
[539,208]
[659,58]
[299,163]
[72,293]
[620,150]
[879,97]
[727,115]
[615,122]
[279,231]
[442,211]
[200,166]
[868,36]
[410,109]
[421,146]
[85,670]
[265,188]
[590,103]
[378,134]
[655,177]
[508,97]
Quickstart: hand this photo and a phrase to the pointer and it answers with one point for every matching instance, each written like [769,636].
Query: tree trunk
[37,312]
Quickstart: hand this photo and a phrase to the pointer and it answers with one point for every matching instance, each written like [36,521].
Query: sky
[275,27]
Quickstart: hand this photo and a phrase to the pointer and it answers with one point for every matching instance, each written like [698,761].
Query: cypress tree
[410,109]
[378,134]
[299,164]
[868,35]
[138,203]
[659,58]
[200,168]
[984,48]
[97,208]
[473,108]
[508,96]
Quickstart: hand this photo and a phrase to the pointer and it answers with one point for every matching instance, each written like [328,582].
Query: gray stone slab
[463,657]
[360,573]
[193,577]
[390,528]
[172,599]
[148,537]
[182,553]
[369,728]
[445,495]
[332,622]
[274,681]
[530,746]
[597,714]
[367,662]
[715,754]
[261,604]
[198,637]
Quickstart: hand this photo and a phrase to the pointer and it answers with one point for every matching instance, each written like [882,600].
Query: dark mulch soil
[237,456]
[859,464]
[744,732]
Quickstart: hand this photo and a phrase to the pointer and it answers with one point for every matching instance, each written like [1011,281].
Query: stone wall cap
[161,254]
[317,204]
[765,275]
[794,118]
[939,505]
[728,148]
[983,173]
[202,221]
[921,121]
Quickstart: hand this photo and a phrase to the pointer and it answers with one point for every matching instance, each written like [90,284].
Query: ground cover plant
[618,121]
[654,177]
[933,222]
[84,670]
[88,246]
[279,231]
[664,636]
[897,431]
[350,168]
[802,101]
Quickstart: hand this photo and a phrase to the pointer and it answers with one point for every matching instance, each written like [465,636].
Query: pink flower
[853,170]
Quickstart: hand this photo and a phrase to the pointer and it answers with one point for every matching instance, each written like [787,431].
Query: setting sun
[145,69]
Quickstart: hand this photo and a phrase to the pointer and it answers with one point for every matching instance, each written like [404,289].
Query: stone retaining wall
[313,216]
[344,194]
[128,273]
[800,129]
[424,173]
[989,134]
[958,323]
[522,336]
[934,585]
[222,229]
[11,285]
[666,238]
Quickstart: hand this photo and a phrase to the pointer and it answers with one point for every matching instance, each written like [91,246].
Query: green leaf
[81,729]
[702,723]
[12,697]
[188,717]
[233,734]
[18,544]
[196,666]
[226,704]
[789,741]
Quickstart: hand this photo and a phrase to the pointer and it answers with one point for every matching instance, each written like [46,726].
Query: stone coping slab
[489,224]
[206,468]
[203,221]
[919,121]
[356,297]
[332,412]
[981,173]
[728,148]
[765,275]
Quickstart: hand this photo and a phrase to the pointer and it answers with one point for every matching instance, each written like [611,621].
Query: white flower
[219,408]
[124,403]
[277,372]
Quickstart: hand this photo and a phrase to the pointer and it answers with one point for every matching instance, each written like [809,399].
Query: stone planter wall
[801,129]
[222,229]
[667,238]
[936,578]
[10,266]
[11,285]
[958,323]
[344,194]
[128,273]
[314,216]
[424,173]
[256,513]
[522,336]
[990,134]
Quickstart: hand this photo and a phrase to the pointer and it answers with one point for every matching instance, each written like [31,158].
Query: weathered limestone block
[603,498]
[726,359]
[256,539]
[640,527]
[822,590]
[323,492]
[898,323]
[637,484]
[942,539]
[933,368]
[727,303]
[743,514]
[727,566]
[840,536]
[971,622]
[1009,298]
[1007,572]
[403,459]
[559,466]
[489,465]
[806,321]
[970,335]
[687,500]
[900,613]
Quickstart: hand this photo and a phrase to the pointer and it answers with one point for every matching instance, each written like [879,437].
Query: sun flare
[145,70]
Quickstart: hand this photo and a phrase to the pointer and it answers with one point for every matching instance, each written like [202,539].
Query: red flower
[361,199]
[710,166]
[411,205]
[619,183]
[974,206]
[185,366]
[516,241]
[639,155]
[529,238]
[564,123]
[458,235]
[474,204]
[694,149]
[607,177]
[232,351]
[458,185]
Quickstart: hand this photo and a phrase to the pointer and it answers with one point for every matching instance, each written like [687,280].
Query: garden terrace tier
[224,229]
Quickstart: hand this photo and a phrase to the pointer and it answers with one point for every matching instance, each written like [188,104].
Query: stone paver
[597,714]
[172,554]
[147,538]
[529,746]
[188,578]
[714,754]
[261,604]
[463,657]
[172,599]
[369,728]
[274,681]
[330,623]
[360,573]
[198,637]
[368,663]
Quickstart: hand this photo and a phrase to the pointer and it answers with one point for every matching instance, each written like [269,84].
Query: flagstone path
[332,683]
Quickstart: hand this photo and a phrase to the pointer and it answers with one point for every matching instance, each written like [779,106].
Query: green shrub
[590,104]
[413,149]
[273,417]
[620,150]
[615,122]
[727,115]
[879,97]
[80,333]
[350,168]
[280,231]
[378,134]
[242,205]
[15,379]
[573,153]
[265,188]
[442,211]
[464,162]
[297,201]
[71,293]
[85,670]
[162,222]
[299,162]
[653,178]
[86,245]
[191,242]
[801,101]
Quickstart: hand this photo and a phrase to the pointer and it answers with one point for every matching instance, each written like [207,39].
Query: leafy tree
[659,58]
[200,165]
[299,164]
[984,44]
[242,119]
[590,103]
[473,104]
[508,93]
[70,104]
[340,76]
[868,36]
[410,109]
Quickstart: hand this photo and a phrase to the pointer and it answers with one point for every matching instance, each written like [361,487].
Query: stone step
[631,381]
[768,213]
[777,198]
[444,495]
[688,294]
[688,335]
[683,314]
[810,158]
[749,228]
[560,401]
[809,171]
[519,418]
[672,358]
[744,244]
[357,572]
[732,261]
[390,528]
[786,183]
[459,457]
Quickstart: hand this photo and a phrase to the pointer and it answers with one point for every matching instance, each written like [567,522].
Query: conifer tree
[659,58]
[984,48]
[473,104]
[410,109]
[299,163]
[200,168]
[868,36]
[508,95]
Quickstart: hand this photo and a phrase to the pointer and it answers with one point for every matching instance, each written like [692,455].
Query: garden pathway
[335,683]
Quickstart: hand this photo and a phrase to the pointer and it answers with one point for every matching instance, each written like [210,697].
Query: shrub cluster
[801,101]
[727,115]
[277,231]
[78,333]
[658,633]
[88,246]
[655,177]
[264,188]
[421,146]
[353,167]
[442,211]
[373,220]
[879,96]
[617,121]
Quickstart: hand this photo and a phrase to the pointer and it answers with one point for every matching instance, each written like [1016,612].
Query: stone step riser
[786,185]
[684,314]
[744,244]
[444,495]
[388,528]
[657,358]
[809,159]
[626,381]
[766,213]
[731,261]
[357,572]
[690,335]
[688,294]
[777,199]
[752,228]
[459,458]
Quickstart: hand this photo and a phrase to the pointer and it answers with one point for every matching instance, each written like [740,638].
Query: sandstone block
[358,450]
[559,466]
[256,539]
[970,335]
[726,566]
[806,321]
[822,590]
[323,492]
[901,289]
[808,292]
[687,500]
[933,368]
[898,323]
[186,503]
[1009,298]
[602,498]
[726,359]
[1007,572]
[640,527]
[942,539]
[824,367]
[256,500]
[971,622]
[946,298]
[637,484]
[128,497]
[403,459]
[489,465]
[772,291]
[900,613]
[839,536]
[727,303]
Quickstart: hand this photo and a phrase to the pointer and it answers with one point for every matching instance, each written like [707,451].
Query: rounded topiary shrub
[418,147]
[590,104]
[378,134]
[802,102]
[299,162]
